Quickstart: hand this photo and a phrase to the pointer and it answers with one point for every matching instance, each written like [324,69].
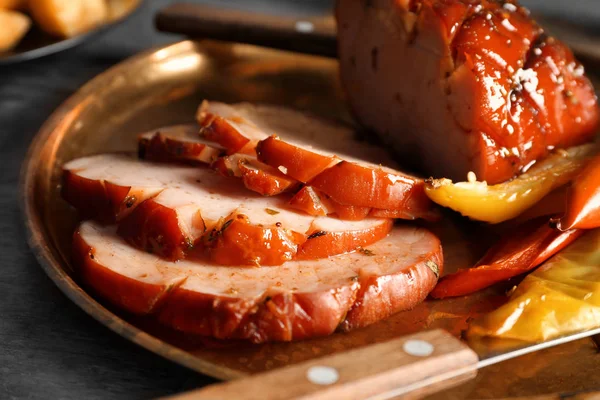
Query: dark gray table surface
[49,348]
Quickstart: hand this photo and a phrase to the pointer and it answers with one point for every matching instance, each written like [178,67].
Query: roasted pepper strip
[533,243]
[504,201]
[583,201]
[561,297]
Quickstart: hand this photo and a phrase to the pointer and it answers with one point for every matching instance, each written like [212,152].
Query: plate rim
[39,243]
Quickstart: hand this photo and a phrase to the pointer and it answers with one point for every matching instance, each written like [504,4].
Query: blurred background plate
[37,43]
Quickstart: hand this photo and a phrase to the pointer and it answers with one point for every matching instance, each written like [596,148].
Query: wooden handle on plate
[416,364]
[303,35]
[308,35]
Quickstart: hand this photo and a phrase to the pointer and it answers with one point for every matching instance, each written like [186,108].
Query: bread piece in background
[13,26]
[119,8]
[67,18]
[13,4]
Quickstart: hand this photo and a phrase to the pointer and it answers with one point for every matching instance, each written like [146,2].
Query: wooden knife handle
[412,365]
[304,35]
[307,35]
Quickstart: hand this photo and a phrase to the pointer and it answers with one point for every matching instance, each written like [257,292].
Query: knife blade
[490,352]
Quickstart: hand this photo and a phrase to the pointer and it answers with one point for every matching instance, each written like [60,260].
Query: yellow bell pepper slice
[504,201]
[561,297]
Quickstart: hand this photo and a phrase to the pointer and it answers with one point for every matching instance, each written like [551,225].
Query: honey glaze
[513,90]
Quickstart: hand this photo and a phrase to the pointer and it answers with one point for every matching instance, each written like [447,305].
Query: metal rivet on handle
[418,348]
[304,27]
[322,375]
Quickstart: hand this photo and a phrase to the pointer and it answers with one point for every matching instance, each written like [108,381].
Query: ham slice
[178,143]
[348,183]
[188,210]
[87,185]
[255,175]
[247,124]
[298,300]
[460,85]
[320,153]
[315,202]
[182,143]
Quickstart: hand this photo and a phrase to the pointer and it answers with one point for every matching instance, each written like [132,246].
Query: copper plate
[163,87]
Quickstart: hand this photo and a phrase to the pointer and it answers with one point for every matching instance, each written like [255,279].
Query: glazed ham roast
[462,85]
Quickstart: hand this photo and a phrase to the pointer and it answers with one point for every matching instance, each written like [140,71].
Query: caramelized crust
[489,91]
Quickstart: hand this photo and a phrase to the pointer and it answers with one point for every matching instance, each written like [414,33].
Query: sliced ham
[315,202]
[249,123]
[229,126]
[195,210]
[319,153]
[87,185]
[296,161]
[298,300]
[350,183]
[183,143]
[178,143]
[255,175]
[460,85]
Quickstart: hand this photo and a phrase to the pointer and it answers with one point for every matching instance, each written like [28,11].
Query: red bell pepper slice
[518,252]
[583,201]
